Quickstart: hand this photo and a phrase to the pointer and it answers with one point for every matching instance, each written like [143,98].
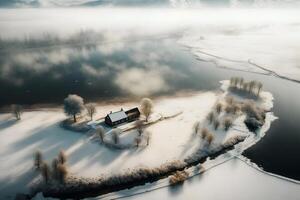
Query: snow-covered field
[171,139]
[233,179]
[86,157]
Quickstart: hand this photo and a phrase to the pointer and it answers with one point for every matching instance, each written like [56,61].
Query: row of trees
[74,105]
[254,87]
[59,169]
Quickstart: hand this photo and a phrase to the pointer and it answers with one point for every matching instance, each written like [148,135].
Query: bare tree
[204,133]
[259,87]
[55,164]
[45,171]
[139,124]
[241,83]
[73,105]
[216,124]
[146,107]
[62,173]
[252,85]
[210,117]
[62,158]
[101,133]
[91,109]
[227,123]
[38,160]
[196,127]
[16,110]
[219,107]
[210,137]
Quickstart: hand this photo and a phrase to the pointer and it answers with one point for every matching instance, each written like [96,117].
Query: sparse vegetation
[178,177]
[73,105]
[91,109]
[239,83]
[146,107]
[227,124]
[16,111]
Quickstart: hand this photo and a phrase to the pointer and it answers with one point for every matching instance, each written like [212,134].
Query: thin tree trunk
[74,117]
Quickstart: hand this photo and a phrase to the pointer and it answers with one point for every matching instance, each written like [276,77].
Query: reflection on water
[147,68]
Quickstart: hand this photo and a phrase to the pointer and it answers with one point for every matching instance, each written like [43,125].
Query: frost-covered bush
[178,177]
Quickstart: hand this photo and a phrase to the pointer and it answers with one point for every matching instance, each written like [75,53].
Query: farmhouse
[119,117]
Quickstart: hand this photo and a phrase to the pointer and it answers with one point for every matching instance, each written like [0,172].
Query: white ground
[171,139]
[86,157]
[231,180]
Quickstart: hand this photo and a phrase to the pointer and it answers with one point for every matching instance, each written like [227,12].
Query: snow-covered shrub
[252,110]
[229,100]
[178,177]
[227,123]
[38,159]
[233,140]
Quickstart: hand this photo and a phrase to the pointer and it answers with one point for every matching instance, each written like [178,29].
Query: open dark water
[47,76]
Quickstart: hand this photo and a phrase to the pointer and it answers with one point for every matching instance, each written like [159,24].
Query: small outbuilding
[119,117]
